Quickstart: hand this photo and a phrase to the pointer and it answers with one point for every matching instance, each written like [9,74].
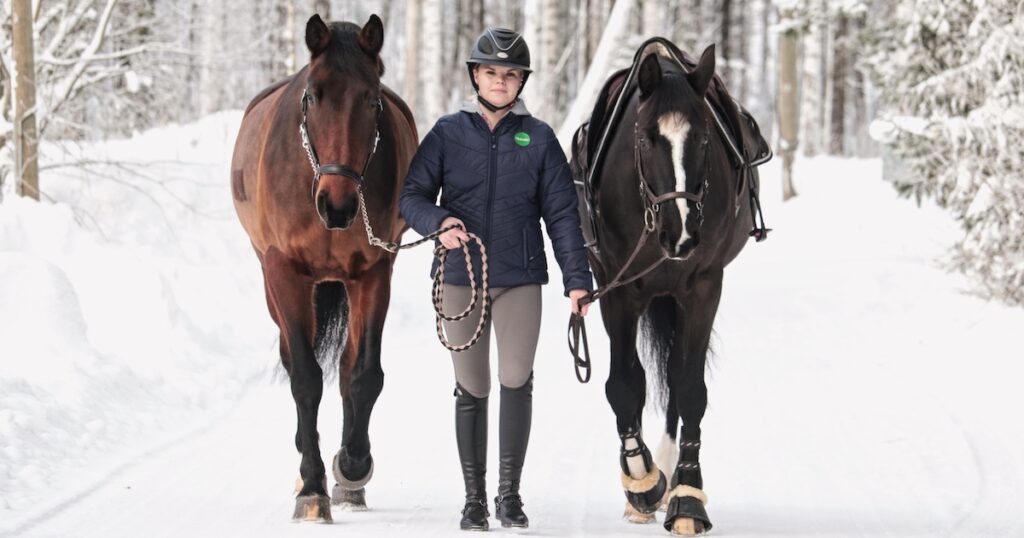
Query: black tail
[331,302]
[657,334]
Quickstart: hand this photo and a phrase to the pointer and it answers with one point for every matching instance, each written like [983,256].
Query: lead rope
[437,290]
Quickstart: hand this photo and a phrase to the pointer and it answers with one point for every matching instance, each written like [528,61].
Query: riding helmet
[500,46]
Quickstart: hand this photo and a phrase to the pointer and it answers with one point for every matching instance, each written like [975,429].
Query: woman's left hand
[574,298]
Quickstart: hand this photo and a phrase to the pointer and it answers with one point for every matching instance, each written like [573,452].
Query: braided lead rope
[438,294]
[437,290]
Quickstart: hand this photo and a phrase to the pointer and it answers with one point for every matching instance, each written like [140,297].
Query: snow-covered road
[856,391]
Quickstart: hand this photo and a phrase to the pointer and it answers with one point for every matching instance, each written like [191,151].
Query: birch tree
[26,161]
[613,36]
[432,61]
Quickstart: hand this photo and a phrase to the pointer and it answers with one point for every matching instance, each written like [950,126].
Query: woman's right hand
[455,237]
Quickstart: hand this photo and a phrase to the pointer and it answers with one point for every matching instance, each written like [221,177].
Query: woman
[499,171]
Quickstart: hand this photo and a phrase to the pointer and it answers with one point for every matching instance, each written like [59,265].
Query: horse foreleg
[685,513]
[361,382]
[291,294]
[626,389]
[667,453]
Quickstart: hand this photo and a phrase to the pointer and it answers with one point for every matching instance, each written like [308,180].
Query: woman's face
[498,84]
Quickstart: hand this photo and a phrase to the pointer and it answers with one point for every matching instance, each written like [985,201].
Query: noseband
[337,169]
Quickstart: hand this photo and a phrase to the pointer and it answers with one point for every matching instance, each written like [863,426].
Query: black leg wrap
[647,502]
[688,507]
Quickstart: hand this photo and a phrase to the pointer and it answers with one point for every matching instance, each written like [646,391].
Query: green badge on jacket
[522,139]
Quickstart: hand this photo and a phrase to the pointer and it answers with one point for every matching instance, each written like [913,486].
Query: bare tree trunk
[412,57]
[612,38]
[687,29]
[597,13]
[725,47]
[653,18]
[470,19]
[862,147]
[26,142]
[5,104]
[743,30]
[211,79]
[839,67]
[532,33]
[433,60]
[550,47]
[583,52]
[811,95]
[789,108]
[291,62]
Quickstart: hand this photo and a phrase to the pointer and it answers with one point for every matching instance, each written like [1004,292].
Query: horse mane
[393,97]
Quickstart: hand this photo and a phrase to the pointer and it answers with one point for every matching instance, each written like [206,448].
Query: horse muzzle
[336,216]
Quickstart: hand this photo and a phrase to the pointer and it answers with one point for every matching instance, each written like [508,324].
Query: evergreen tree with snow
[951,75]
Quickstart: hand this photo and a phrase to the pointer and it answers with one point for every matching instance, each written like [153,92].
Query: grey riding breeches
[515,316]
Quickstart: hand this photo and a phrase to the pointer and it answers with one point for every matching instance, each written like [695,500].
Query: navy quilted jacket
[500,185]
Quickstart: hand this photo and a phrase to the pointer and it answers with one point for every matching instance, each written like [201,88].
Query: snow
[856,389]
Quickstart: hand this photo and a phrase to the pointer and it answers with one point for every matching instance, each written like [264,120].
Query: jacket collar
[472,106]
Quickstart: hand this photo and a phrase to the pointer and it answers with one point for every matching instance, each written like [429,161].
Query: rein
[440,251]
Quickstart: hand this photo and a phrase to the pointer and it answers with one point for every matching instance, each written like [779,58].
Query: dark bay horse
[324,282]
[667,175]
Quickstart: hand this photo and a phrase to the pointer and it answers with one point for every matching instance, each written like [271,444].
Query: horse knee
[367,386]
[623,394]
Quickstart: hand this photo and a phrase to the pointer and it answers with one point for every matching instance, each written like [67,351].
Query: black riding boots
[514,436]
[471,437]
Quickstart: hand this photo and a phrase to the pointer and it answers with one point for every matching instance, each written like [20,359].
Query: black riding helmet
[499,46]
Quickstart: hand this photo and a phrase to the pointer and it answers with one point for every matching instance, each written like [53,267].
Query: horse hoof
[349,500]
[686,515]
[632,515]
[314,508]
[685,526]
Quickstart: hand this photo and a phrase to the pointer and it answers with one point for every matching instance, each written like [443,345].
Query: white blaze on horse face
[674,127]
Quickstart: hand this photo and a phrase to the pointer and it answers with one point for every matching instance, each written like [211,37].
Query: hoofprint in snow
[856,388]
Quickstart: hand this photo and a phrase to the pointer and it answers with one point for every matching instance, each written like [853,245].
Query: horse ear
[650,74]
[318,35]
[371,38]
[700,78]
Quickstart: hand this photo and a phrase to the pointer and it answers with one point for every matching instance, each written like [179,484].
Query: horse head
[672,133]
[342,108]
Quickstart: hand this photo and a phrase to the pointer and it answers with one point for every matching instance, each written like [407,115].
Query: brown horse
[323,279]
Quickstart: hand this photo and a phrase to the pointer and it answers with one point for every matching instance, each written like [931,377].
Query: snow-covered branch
[64,88]
[952,77]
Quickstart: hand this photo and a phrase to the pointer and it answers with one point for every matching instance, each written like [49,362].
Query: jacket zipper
[492,173]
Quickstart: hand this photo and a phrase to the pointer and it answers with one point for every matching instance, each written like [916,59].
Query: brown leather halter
[337,169]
